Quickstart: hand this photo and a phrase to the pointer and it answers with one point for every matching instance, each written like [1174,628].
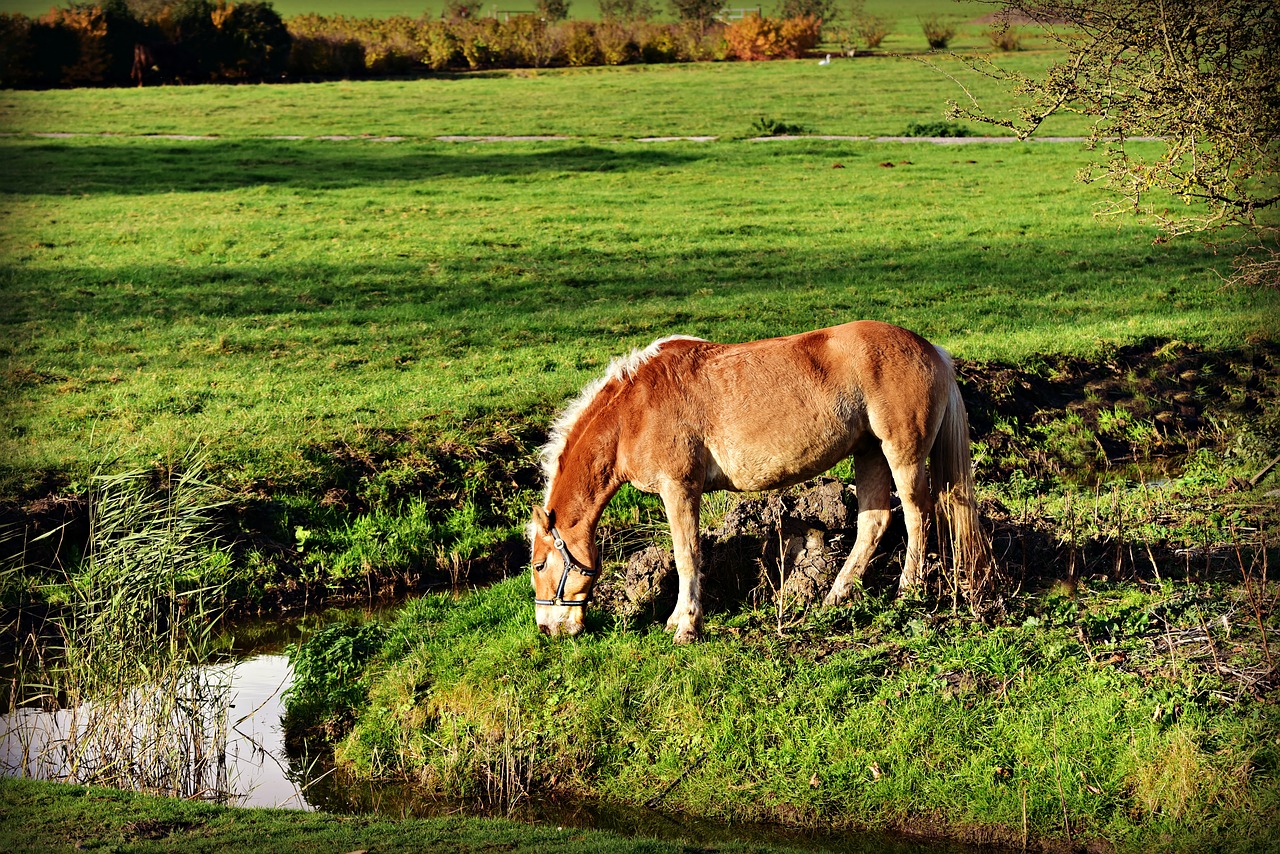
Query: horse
[685,416]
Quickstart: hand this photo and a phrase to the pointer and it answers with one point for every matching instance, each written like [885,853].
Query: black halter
[569,563]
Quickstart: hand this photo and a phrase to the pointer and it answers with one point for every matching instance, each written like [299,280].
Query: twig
[657,799]
[1253,481]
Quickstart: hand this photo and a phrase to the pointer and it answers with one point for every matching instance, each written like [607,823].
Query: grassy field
[53,818]
[868,96]
[300,306]
[368,338]
[296,291]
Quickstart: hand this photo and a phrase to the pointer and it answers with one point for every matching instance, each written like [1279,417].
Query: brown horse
[686,416]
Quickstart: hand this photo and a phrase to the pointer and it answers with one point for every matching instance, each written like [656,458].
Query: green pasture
[862,96]
[265,296]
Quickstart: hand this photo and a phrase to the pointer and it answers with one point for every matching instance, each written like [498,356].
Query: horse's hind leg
[873,479]
[917,506]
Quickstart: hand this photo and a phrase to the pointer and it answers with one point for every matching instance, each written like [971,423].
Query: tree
[553,10]
[626,10]
[700,12]
[1202,75]
[824,9]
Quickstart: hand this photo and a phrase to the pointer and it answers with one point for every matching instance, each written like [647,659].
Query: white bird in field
[826,61]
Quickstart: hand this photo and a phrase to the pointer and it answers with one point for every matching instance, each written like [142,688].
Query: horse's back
[777,411]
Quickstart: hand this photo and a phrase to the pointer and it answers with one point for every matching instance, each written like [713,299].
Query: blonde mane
[621,368]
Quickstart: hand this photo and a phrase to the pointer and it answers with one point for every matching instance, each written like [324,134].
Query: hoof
[834,598]
[685,637]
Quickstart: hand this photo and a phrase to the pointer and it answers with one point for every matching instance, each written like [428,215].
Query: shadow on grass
[133,167]
[481,292]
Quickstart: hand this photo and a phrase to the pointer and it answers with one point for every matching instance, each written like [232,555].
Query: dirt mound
[1148,404]
[781,544]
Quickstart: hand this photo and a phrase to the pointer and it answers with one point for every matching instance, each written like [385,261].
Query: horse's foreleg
[873,479]
[682,507]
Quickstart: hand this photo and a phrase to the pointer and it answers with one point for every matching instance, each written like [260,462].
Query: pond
[258,771]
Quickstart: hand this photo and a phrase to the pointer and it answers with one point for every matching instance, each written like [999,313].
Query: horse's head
[564,571]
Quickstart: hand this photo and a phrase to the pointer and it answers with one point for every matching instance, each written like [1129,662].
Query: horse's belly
[777,457]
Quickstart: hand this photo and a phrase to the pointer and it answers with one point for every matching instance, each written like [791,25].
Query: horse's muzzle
[569,621]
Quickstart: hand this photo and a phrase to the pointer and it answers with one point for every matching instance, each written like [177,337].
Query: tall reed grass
[109,687]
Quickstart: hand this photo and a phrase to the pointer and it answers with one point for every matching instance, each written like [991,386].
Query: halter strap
[569,563]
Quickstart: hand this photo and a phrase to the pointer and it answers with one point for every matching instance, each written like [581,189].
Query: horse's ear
[544,519]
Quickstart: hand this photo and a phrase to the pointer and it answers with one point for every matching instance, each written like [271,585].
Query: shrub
[325,56]
[824,9]
[479,41]
[872,29]
[700,12]
[801,34]
[462,10]
[580,46]
[553,10]
[937,32]
[79,37]
[615,43]
[255,41]
[15,51]
[329,683]
[440,47]
[754,37]
[944,129]
[773,127]
[658,43]
[1005,37]
[187,27]
[845,37]
[527,40]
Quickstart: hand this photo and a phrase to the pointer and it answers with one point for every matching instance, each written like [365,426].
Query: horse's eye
[538,567]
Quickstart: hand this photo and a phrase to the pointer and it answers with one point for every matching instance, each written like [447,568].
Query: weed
[1005,37]
[764,126]
[937,32]
[327,687]
[937,129]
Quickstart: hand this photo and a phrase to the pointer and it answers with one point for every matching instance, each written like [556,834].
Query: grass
[57,818]
[1074,721]
[269,297]
[869,96]
[348,325]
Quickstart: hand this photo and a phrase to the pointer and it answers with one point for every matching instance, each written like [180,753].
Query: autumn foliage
[755,37]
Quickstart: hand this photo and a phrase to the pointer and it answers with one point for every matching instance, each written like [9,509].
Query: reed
[117,690]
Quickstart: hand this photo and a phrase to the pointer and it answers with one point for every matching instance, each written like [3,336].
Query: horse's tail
[960,529]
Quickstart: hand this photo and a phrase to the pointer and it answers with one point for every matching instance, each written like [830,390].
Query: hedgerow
[110,43]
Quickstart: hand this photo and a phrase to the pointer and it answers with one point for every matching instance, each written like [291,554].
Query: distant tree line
[149,42]
[117,42]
